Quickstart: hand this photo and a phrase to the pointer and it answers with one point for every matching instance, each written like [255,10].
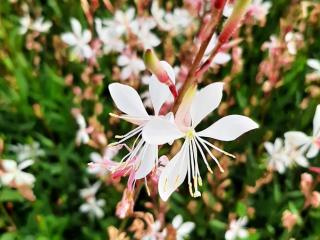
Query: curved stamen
[203,156]
[218,149]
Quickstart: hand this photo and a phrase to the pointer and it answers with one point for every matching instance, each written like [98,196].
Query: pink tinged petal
[229,128]
[127,100]
[23,178]
[76,27]
[296,138]
[69,38]
[313,151]
[316,122]
[147,160]
[160,131]
[7,178]
[123,60]
[174,173]
[205,101]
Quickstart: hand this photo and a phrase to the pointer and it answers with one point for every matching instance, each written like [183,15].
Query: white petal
[23,178]
[86,37]
[76,27]
[123,60]
[177,221]
[147,156]
[221,58]
[229,128]
[170,71]
[269,147]
[126,72]
[85,208]
[87,51]
[314,63]
[296,138]
[7,178]
[313,151]
[316,122]
[160,131]
[95,157]
[25,164]
[186,228]
[9,165]
[205,101]
[302,161]
[173,174]
[69,39]
[127,100]
[230,235]
[242,233]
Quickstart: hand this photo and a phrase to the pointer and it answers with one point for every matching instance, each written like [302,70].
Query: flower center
[190,133]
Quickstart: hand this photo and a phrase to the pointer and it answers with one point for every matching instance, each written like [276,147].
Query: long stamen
[210,153]
[194,166]
[218,149]
[195,156]
[127,136]
[203,156]
[129,133]
[126,117]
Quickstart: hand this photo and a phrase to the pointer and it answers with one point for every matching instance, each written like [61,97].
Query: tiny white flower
[183,229]
[122,21]
[13,174]
[78,40]
[82,134]
[236,229]
[309,143]
[130,66]
[111,40]
[92,206]
[38,25]
[27,151]
[155,233]
[292,39]
[142,29]
[278,156]
[185,162]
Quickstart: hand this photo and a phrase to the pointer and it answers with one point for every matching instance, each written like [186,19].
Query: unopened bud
[154,66]
[239,10]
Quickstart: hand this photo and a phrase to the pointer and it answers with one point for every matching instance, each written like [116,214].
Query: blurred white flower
[11,173]
[174,22]
[92,206]
[122,21]
[259,9]
[292,39]
[38,25]
[183,229]
[185,163]
[78,40]
[27,151]
[315,65]
[98,164]
[131,65]
[82,135]
[155,233]
[237,229]
[278,156]
[142,29]
[221,57]
[311,144]
[111,40]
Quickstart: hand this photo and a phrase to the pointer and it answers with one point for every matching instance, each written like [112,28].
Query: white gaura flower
[155,232]
[131,65]
[111,40]
[185,162]
[27,151]
[259,9]
[143,157]
[92,206]
[142,29]
[122,21]
[82,133]
[315,65]
[78,40]
[292,39]
[278,155]
[183,229]
[38,25]
[12,173]
[236,229]
[310,143]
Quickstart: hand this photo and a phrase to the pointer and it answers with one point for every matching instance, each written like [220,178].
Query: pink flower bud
[153,65]
[289,219]
[125,206]
[315,199]
[233,21]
